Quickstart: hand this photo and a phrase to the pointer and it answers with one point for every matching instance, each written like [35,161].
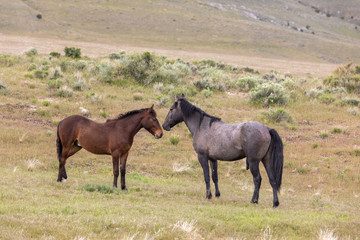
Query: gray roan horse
[215,140]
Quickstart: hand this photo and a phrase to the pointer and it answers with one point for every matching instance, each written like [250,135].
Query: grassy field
[320,196]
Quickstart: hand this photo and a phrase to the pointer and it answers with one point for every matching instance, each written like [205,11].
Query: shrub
[323,135]
[269,94]
[164,89]
[103,114]
[207,93]
[344,76]
[80,85]
[72,52]
[41,74]
[32,66]
[65,92]
[278,115]
[54,84]
[81,65]
[174,140]
[44,113]
[46,103]
[8,61]
[170,73]
[31,52]
[326,98]
[55,54]
[28,75]
[55,73]
[105,72]
[249,70]
[336,130]
[315,145]
[245,84]
[351,101]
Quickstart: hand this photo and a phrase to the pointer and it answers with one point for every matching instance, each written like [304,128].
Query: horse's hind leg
[213,164]
[254,168]
[203,159]
[266,162]
[66,153]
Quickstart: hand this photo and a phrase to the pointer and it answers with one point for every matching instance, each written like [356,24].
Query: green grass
[166,190]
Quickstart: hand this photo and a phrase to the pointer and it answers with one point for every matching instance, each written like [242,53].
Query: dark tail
[58,143]
[277,158]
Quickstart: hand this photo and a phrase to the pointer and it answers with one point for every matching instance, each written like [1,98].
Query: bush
[351,101]
[28,75]
[326,98]
[80,85]
[336,130]
[245,84]
[174,140]
[170,73]
[278,115]
[65,92]
[72,52]
[55,54]
[46,103]
[81,65]
[31,52]
[54,84]
[40,74]
[207,93]
[323,135]
[8,61]
[269,94]
[55,73]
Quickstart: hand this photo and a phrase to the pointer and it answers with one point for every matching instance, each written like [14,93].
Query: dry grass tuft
[327,234]
[32,164]
[177,167]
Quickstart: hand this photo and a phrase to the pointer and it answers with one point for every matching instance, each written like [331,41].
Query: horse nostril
[161,135]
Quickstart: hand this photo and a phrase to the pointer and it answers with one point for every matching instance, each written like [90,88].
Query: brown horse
[114,137]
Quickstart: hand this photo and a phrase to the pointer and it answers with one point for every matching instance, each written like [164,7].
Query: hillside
[291,30]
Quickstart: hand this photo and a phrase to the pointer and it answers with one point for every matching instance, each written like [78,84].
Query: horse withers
[216,140]
[114,137]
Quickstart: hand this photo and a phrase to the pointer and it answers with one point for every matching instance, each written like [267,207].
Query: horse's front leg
[203,159]
[213,164]
[115,160]
[123,159]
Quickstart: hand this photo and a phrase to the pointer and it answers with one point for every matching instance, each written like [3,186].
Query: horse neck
[133,124]
[193,122]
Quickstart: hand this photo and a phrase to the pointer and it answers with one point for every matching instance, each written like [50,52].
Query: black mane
[131,113]
[187,109]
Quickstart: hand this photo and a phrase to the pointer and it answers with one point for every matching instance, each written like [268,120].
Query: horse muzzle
[157,136]
[166,127]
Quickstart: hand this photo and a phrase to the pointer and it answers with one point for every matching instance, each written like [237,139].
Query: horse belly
[226,153]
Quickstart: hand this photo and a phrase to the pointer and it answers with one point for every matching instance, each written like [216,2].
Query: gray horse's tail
[277,158]
[59,146]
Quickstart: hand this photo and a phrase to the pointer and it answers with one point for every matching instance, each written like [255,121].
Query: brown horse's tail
[277,158]
[58,143]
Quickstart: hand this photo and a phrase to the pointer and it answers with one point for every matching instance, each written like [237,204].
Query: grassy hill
[318,122]
[274,29]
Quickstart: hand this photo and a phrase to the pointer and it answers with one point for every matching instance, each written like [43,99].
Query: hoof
[124,188]
[209,196]
[217,194]
[276,204]
[254,201]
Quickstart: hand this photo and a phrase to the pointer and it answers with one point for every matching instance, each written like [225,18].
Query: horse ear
[152,107]
[182,95]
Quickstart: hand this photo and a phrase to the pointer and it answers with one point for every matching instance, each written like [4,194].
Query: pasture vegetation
[166,190]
